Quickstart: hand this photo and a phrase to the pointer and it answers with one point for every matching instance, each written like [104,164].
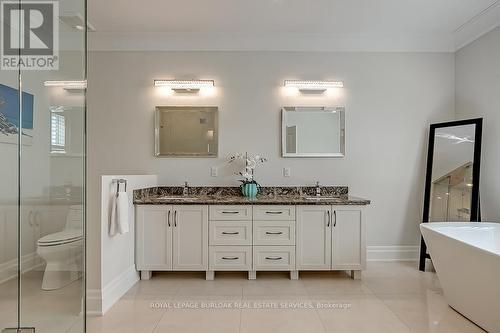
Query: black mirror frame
[476,167]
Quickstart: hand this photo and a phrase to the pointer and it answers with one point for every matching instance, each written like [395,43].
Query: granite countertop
[337,195]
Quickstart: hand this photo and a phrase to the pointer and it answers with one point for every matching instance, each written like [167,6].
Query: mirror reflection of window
[451,191]
[66,131]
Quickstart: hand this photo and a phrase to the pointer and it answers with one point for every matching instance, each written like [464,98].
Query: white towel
[112,217]
[119,214]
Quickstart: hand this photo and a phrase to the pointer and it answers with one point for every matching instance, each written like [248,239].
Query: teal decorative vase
[249,190]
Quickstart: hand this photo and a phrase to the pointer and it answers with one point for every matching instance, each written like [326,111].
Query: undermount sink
[177,198]
[321,198]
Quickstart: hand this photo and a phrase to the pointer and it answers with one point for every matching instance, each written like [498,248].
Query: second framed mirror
[313,132]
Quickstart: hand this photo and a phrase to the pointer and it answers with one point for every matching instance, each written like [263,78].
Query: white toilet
[63,252]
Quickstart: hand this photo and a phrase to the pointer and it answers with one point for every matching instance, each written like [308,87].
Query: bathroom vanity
[216,229]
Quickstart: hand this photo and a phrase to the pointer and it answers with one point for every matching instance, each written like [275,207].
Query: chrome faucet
[185,191]
[318,189]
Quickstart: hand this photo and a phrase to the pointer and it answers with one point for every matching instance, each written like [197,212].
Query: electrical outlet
[286,172]
[214,171]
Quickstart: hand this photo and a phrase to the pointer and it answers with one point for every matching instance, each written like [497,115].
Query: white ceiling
[426,25]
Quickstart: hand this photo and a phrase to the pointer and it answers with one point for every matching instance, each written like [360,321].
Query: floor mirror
[452,177]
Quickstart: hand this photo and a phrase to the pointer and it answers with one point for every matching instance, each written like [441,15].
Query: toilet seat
[62,237]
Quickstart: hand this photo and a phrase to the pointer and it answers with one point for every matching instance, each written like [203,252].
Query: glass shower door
[43,184]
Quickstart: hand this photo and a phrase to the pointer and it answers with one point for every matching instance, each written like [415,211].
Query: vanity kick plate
[19,330]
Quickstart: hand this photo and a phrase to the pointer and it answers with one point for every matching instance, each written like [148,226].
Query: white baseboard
[392,253]
[117,287]
[100,301]
[30,261]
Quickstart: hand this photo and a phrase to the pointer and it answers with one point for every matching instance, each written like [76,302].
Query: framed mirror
[313,132]
[452,179]
[190,131]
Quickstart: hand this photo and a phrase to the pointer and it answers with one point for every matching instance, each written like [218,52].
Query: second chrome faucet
[318,189]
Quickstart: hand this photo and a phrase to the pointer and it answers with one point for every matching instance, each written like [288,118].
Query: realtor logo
[30,35]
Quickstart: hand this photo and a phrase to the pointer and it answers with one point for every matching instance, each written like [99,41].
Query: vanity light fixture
[185,85]
[68,85]
[313,85]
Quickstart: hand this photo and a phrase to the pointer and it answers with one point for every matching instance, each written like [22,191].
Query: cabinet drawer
[274,213]
[274,258]
[274,233]
[230,258]
[230,233]
[231,212]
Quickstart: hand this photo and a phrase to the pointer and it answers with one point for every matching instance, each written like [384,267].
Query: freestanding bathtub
[466,256]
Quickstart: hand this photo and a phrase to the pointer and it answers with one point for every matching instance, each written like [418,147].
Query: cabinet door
[190,237]
[154,238]
[314,239]
[348,247]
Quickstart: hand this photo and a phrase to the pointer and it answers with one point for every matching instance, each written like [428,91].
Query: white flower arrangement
[251,162]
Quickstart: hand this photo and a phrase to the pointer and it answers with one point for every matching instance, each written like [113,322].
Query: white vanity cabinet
[171,237]
[331,238]
[250,238]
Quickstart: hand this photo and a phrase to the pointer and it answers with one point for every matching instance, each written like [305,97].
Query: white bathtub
[466,257]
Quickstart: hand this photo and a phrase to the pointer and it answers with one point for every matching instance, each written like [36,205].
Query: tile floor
[391,297]
[48,311]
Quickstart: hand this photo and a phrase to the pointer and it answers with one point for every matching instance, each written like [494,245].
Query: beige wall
[477,95]
[390,99]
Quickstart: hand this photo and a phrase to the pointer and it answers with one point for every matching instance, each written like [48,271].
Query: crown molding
[130,41]
[479,25]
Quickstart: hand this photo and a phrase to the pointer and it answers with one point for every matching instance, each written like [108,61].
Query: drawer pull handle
[230,233]
[225,212]
[230,258]
[274,233]
[274,212]
[274,258]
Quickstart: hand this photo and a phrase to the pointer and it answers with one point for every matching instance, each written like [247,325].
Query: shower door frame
[18,197]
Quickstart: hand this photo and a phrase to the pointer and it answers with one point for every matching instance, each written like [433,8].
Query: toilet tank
[74,219]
